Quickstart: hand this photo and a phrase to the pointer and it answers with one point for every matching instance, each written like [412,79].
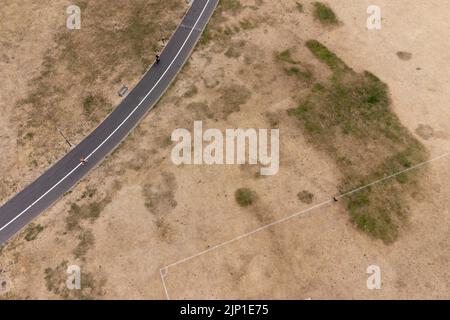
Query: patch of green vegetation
[138,31]
[324,14]
[90,211]
[213,30]
[51,275]
[318,87]
[88,104]
[351,119]
[305,197]
[305,75]
[326,56]
[299,7]
[74,217]
[32,231]
[273,118]
[245,197]
[293,67]
[286,56]
[55,281]
[28,136]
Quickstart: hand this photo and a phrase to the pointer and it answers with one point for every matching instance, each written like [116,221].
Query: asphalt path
[20,210]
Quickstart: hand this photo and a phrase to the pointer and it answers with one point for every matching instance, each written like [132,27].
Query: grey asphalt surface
[20,210]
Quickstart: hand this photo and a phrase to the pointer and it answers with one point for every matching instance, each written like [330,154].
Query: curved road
[61,177]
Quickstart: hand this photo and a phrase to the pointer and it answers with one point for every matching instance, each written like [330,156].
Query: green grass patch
[305,75]
[286,56]
[245,197]
[326,56]
[350,118]
[88,104]
[200,110]
[293,67]
[324,14]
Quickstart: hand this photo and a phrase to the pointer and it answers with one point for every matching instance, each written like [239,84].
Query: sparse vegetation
[160,195]
[55,281]
[305,75]
[247,24]
[88,193]
[235,49]
[192,91]
[86,241]
[92,103]
[200,110]
[294,67]
[350,118]
[305,197]
[232,97]
[213,30]
[326,56]
[324,14]
[32,231]
[116,48]
[299,7]
[286,56]
[245,197]
[90,211]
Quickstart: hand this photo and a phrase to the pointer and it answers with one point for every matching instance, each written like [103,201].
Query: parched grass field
[260,64]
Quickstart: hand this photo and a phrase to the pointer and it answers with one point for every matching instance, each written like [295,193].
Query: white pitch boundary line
[394,175]
[163,271]
[120,125]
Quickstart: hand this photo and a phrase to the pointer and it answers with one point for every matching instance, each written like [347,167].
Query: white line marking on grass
[120,125]
[298,214]
[393,175]
[162,273]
